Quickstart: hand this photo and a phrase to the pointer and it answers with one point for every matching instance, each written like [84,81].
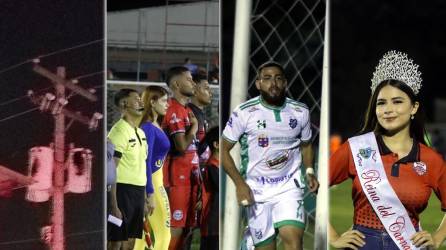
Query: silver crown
[396,66]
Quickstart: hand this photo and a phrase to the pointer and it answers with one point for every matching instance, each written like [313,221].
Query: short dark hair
[174,71]
[121,94]
[212,136]
[199,77]
[269,64]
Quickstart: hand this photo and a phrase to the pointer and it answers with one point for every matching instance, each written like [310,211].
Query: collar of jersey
[266,105]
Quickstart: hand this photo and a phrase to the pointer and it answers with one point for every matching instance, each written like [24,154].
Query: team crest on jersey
[293,123]
[420,168]
[263,140]
[261,124]
[178,214]
[258,233]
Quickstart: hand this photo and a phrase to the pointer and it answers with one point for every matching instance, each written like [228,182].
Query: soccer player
[275,137]
[181,165]
[128,199]
[201,99]
[210,217]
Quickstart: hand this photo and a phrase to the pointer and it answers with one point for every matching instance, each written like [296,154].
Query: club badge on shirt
[263,140]
[293,123]
[420,167]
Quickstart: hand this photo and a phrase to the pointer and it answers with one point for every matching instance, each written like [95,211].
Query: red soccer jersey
[176,120]
[177,167]
[412,177]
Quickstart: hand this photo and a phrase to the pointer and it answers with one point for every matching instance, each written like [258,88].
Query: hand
[193,122]
[351,239]
[116,212]
[149,205]
[244,194]
[313,184]
[423,239]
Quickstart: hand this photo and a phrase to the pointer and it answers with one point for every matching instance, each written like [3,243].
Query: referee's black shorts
[130,200]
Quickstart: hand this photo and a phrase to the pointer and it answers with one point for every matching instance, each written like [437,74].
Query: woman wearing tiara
[392,169]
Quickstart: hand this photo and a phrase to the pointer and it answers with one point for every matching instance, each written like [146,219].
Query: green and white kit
[270,161]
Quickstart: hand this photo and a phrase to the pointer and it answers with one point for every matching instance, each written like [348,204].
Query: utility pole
[59,170]
[55,105]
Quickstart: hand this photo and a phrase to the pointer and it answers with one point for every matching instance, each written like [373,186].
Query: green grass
[341,210]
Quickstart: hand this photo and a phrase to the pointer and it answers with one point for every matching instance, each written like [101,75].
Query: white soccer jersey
[269,138]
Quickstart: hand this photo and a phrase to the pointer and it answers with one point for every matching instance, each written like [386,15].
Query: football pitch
[341,210]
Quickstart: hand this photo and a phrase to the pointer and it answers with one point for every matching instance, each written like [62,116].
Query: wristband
[309,170]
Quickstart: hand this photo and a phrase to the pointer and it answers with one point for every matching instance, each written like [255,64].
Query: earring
[412,117]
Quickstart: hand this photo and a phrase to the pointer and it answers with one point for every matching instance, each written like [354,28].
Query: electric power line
[50,54]
[18,114]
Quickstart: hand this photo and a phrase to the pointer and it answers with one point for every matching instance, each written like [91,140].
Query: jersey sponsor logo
[293,123]
[263,141]
[279,160]
[235,114]
[420,168]
[298,109]
[258,233]
[253,109]
[275,180]
[282,140]
[178,214]
[229,123]
[257,191]
[174,119]
[261,124]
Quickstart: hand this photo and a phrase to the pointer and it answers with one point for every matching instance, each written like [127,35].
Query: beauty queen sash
[379,192]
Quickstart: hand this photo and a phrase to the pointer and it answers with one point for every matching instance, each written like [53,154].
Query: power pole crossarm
[77,116]
[67,83]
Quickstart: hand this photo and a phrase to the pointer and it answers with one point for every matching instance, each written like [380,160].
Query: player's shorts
[130,200]
[177,171]
[183,200]
[264,219]
[183,177]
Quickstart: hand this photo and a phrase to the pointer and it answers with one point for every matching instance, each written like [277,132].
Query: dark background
[29,29]
[361,32]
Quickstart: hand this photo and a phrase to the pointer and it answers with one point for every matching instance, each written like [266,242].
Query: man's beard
[273,100]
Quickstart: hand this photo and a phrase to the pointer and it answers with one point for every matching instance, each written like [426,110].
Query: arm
[440,234]
[114,202]
[242,189]
[307,159]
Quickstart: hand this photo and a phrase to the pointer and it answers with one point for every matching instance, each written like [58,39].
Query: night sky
[29,29]
[362,33]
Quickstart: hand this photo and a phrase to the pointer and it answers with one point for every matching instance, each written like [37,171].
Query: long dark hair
[416,130]
[149,94]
